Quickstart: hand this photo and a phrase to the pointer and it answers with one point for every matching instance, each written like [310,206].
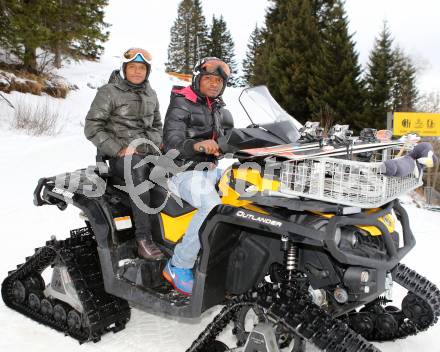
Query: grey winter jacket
[121,113]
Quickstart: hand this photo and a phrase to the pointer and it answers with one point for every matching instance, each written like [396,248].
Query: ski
[337,152]
[291,152]
[283,148]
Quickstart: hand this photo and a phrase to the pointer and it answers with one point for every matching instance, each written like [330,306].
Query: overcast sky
[413,24]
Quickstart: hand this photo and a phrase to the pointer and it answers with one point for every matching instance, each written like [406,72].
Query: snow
[24,159]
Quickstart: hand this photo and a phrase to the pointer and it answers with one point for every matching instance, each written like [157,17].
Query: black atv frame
[232,241]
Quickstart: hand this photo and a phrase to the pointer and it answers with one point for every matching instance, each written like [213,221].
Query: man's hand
[208,146]
[126,151]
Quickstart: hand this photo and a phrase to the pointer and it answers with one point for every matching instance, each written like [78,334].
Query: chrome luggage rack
[347,182]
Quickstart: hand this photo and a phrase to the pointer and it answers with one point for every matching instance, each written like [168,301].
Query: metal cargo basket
[347,182]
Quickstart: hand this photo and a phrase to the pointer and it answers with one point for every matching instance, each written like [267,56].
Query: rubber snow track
[294,310]
[102,312]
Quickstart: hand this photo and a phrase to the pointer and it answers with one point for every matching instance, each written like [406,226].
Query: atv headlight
[346,238]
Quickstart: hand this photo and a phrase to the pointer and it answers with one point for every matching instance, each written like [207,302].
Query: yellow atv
[304,244]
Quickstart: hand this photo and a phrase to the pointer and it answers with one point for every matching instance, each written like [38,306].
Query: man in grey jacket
[126,110]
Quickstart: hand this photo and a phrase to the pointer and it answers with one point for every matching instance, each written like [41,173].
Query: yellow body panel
[387,220]
[254,177]
[174,228]
[231,197]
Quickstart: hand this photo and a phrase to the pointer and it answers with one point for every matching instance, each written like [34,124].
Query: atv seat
[158,194]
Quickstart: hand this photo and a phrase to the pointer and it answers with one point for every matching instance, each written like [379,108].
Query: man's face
[135,72]
[211,85]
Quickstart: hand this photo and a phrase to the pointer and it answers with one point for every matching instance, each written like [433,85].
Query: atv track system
[22,290]
[292,309]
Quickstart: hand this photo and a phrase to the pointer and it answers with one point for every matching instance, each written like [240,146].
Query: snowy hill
[24,159]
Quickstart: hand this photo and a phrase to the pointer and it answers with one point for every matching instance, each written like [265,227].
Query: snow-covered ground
[24,159]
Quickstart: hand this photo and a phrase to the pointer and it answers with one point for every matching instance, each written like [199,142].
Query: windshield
[262,108]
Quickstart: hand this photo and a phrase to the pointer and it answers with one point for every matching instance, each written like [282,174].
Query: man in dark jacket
[196,117]
[124,111]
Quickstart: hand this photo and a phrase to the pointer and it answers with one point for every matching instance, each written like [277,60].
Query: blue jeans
[198,189]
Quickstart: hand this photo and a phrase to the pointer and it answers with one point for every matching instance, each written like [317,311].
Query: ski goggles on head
[214,65]
[133,54]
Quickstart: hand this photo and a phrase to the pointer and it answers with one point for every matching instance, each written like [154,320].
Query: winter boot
[146,249]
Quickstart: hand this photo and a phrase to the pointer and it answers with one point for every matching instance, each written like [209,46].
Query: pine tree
[70,27]
[291,44]
[259,76]
[307,59]
[188,38]
[335,90]
[221,45]
[404,91]
[391,81]
[24,29]
[379,80]
[179,47]
[78,29]
[254,46]
[200,30]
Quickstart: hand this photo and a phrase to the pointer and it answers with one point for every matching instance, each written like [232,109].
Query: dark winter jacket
[122,112]
[191,119]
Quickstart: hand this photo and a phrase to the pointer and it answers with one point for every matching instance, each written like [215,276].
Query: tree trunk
[57,58]
[30,59]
